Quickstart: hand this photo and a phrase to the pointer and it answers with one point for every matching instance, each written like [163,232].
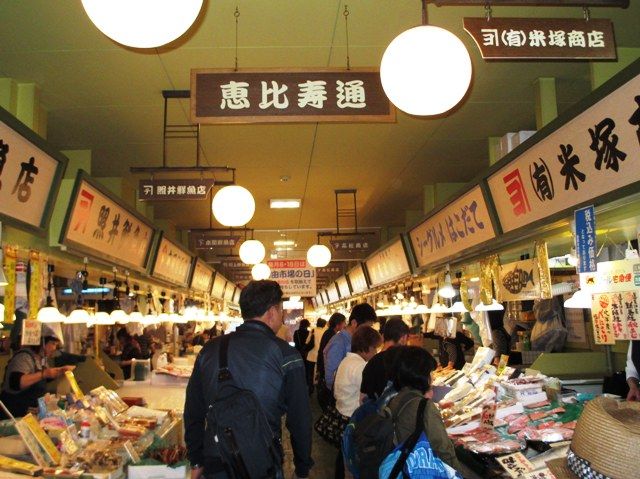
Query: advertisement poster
[295,277]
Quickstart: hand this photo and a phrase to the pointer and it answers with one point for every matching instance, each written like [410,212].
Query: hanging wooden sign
[542,38]
[358,279]
[293,96]
[176,189]
[388,264]
[519,281]
[219,283]
[201,277]
[172,263]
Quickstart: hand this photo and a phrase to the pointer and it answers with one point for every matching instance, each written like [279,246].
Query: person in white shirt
[313,342]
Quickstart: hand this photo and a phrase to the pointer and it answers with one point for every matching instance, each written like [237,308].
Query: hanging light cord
[346,27]
[425,18]
[237,15]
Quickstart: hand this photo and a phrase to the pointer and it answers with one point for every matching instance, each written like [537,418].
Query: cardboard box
[156,472]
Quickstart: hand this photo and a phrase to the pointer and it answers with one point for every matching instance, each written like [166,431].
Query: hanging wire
[587,13]
[237,15]
[346,26]
[487,12]
[425,17]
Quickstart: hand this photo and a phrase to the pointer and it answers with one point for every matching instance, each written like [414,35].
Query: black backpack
[238,424]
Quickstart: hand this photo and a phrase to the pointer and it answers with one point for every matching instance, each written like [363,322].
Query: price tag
[68,439]
[52,455]
[504,359]
[541,474]
[488,415]
[515,464]
[74,385]
[31,333]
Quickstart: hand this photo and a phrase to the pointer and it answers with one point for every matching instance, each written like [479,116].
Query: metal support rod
[183,169]
[164,135]
[536,3]
[425,19]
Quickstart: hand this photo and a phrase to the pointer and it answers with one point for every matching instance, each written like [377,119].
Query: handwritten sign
[172,263]
[585,220]
[581,160]
[488,415]
[602,319]
[201,278]
[99,225]
[176,189]
[303,96]
[460,225]
[357,279]
[621,310]
[388,264]
[519,281]
[219,283]
[31,333]
[515,464]
[539,474]
[29,175]
[343,287]
[295,276]
[549,38]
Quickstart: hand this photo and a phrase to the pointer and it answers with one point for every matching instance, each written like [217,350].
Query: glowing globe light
[318,256]
[143,23]
[78,316]
[233,206]
[102,318]
[49,314]
[252,252]
[119,316]
[260,271]
[425,70]
[136,317]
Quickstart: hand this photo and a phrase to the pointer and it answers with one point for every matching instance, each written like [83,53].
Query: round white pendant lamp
[49,314]
[135,317]
[260,271]
[233,206]
[143,23]
[102,318]
[252,252]
[119,316]
[425,71]
[78,316]
[318,256]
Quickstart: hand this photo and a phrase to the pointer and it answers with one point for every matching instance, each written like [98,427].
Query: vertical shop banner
[358,279]
[99,225]
[388,264]
[295,277]
[460,225]
[172,263]
[602,319]
[519,281]
[29,175]
[219,283]
[585,220]
[592,154]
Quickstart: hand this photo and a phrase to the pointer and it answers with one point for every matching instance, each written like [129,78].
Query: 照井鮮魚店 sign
[293,96]
[295,277]
[594,153]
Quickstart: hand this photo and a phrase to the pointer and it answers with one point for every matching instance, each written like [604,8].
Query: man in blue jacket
[261,362]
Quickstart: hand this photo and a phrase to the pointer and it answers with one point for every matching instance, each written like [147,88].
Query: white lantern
[143,23]
[425,71]
[260,271]
[78,316]
[233,206]
[135,317]
[119,316]
[318,256]
[252,252]
[103,319]
[49,314]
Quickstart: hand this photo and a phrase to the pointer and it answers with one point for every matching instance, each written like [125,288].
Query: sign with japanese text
[585,220]
[515,464]
[172,263]
[236,296]
[295,276]
[229,291]
[595,153]
[343,287]
[100,226]
[616,276]
[457,227]
[332,270]
[233,264]
[332,293]
[201,278]
[353,244]
[539,474]
[601,319]
[619,310]
[219,283]
[353,247]
[388,264]
[488,415]
[319,300]
[519,281]
[211,240]
[178,189]
[358,279]
[548,38]
[29,177]
[302,96]
[31,333]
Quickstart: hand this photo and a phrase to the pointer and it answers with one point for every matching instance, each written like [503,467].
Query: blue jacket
[334,353]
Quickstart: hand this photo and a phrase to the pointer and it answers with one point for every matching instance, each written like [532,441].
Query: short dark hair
[412,368]
[321,323]
[364,339]
[123,334]
[258,296]
[363,313]
[304,324]
[336,319]
[394,329]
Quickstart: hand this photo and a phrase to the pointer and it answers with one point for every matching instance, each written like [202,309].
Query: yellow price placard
[43,439]
[74,384]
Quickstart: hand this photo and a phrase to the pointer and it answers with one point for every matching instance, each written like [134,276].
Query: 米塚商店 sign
[294,96]
[537,38]
[295,277]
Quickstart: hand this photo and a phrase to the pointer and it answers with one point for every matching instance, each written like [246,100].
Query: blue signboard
[585,219]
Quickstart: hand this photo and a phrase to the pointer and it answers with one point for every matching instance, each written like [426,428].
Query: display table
[157,397]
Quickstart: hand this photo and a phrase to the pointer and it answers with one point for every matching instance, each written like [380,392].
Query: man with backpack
[242,384]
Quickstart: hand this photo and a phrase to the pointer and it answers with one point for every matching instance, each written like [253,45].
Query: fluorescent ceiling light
[284,243]
[285,203]
[284,248]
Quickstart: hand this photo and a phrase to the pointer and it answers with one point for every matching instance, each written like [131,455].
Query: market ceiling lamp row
[425,70]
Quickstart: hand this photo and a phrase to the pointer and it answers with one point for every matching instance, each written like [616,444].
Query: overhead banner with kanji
[592,154]
[295,277]
[294,96]
[176,189]
[538,38]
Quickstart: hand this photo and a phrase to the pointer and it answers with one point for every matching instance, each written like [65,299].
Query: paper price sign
[515,464]
[541,474]
[488,416]
[31,331]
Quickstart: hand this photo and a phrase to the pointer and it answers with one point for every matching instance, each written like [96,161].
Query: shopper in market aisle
[362,314]
[130,349]
[313,344]
[633,366]
[375,374]
[412,379]
[337,323]
[26,375]
[259,362]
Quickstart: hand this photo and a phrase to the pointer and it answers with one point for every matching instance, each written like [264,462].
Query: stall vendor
[26,376]
[130,350]
[633,366]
